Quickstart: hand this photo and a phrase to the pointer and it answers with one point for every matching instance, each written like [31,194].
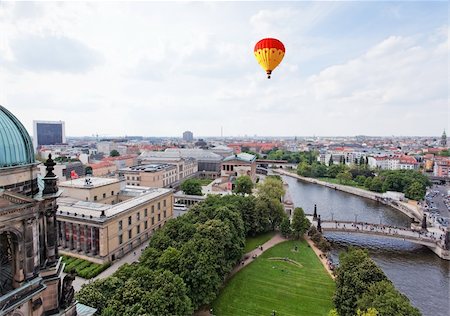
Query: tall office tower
[48,133]
[188,136]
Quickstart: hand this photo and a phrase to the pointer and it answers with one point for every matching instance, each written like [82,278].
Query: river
[415,270]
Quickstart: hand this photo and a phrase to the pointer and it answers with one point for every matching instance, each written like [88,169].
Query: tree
[271,213]
[362,161]
[318,170]
[333,312]
[191,187]
[344,177]
[355,274]
[445,153]
[167,285]
[376,184]
[114,153]
[304,169]
[285,227]
[415,191]
[333,170]
[369,312]
[386,300]
[92,295]
[360,180]
[368,183]
[244,185]
[271,188]
[330,162]
[300,224]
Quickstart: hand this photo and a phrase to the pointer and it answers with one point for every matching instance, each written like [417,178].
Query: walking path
[248,257]
[321,256]
[133,256]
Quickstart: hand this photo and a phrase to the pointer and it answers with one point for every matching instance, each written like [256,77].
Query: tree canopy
[363,289]
[243,185]
[300,224]
[114,153]
[191,187]
[186,261]
[272,187]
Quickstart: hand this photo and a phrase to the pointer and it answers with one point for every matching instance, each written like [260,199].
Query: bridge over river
[437,242]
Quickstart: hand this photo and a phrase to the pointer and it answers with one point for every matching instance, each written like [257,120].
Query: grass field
[291,289]
[204,182]
[351,183]
[253,242]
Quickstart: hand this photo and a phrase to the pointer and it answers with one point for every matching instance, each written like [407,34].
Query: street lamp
[332,216]
[356,218]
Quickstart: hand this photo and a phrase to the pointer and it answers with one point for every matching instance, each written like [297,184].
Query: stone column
[78,245]
[51,241]
[29,252]
[88,239]
[85,239]
[94,240]
[71,231]
[97,240]
[62,226]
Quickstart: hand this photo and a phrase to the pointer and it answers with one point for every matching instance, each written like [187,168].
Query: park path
[321,256]
[275,240]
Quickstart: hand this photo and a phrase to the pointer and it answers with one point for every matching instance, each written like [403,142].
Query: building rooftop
[149,167]
[101,164]
[88,183]
[242,157]
[101,212]
[16,146]
[198,154]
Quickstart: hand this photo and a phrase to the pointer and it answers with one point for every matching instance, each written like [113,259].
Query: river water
[415,270]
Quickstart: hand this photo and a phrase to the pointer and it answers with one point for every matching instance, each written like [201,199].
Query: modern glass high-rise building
[48,133]
[188,136]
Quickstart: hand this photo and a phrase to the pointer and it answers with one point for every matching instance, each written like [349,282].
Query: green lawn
[253,242]
[351,183]
[302,289]
[204,182]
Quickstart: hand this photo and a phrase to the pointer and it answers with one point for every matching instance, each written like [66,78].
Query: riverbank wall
[411,211]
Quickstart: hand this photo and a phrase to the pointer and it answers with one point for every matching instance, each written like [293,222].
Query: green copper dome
[16,147]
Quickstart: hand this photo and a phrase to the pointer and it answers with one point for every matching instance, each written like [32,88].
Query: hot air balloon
[269,53]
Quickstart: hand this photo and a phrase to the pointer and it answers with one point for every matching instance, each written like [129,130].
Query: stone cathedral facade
[30,270]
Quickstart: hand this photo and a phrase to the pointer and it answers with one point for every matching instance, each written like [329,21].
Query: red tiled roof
[408,160]
[102,164]
[124,157]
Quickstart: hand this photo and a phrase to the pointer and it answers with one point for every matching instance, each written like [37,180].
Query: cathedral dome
[16,147]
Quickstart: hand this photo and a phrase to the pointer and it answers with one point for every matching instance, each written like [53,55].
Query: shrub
[316,237]
[324,245]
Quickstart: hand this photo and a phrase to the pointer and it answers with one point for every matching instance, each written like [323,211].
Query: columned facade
[80,238]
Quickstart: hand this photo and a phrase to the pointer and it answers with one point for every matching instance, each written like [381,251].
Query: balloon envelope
[269,53]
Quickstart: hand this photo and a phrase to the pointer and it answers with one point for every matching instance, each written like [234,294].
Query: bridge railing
[386,230]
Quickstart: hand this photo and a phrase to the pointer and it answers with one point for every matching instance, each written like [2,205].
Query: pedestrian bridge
[437,243]
[418,237]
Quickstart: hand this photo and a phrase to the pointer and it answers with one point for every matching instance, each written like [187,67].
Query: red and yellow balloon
[269,53]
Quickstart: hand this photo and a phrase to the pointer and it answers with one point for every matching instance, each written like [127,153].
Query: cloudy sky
[157,69]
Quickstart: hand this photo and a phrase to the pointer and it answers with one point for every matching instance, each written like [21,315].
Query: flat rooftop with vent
[93,189]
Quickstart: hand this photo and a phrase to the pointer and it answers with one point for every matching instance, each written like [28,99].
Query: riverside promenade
[409,210]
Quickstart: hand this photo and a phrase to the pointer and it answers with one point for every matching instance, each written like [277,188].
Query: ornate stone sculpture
[67,294]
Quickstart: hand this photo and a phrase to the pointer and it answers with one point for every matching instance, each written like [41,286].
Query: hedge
[84,268]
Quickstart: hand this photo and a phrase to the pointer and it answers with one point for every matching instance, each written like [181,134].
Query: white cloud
[168,67]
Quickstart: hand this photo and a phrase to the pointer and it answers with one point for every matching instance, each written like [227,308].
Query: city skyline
[158,69]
